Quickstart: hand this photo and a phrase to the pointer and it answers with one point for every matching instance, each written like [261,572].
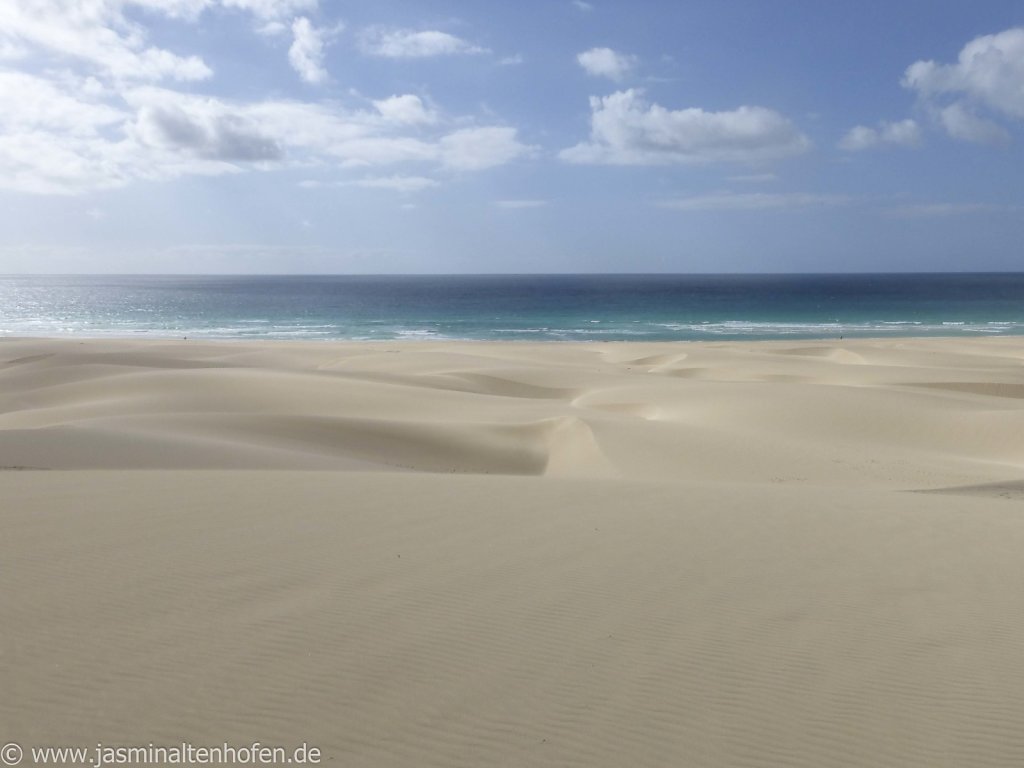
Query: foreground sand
[798,554]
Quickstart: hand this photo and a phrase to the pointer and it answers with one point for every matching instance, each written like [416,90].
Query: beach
[756,553]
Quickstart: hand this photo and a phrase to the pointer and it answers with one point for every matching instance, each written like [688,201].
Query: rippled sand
[476,554]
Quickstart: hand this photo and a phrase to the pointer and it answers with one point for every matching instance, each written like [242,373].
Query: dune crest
[821,412]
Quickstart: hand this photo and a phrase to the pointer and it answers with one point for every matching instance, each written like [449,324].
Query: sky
[321,136]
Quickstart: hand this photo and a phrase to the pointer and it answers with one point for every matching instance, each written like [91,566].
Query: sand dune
[471,554]
[931,412]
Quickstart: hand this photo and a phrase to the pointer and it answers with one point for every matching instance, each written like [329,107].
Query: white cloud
[988,75]
[319,132]
[859,137]
[989,71]
[375,150]
[175,9]
[272,28]
[905,133]
[32,162]
[625,130]
[10,50]
[582,5]
[51,140]
[30,103]
[961,123]
[519,204]
[752,201]
[409,44]
[407,109]
[511,61]
[99,34]
[105,122]
[56,139]
[102,35]
[306,53]
[474,149]
[270,10]
[204,129]
[604,62]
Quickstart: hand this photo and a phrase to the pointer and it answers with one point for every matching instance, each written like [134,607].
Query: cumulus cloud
[475,149]
[410,44]
[52,139]
[407,109]
[961,123]
[604,62]
[10,50]
[28,103]
[114,118]
[989,70]
[55,139]
[268,10]
[904,133]
[306,54]
[205,129]
[625,130]
[752,201]
[988,75]
[99,34]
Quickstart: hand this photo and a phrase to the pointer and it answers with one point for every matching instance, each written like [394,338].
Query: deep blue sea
[520,307]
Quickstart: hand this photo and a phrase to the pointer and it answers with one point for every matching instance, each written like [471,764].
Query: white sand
[749,554]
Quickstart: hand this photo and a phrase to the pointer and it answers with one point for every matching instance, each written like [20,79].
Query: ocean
[514,307]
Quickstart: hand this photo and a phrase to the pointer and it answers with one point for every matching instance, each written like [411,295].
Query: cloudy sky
[531,136]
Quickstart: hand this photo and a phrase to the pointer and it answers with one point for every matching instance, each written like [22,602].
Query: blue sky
[279,136]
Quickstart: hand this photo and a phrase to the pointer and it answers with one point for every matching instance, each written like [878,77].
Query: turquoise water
[529,307]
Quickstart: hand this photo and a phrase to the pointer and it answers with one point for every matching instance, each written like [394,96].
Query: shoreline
[419,340]
[520,307]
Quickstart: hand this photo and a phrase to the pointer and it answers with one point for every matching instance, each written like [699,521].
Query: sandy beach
[802,553]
